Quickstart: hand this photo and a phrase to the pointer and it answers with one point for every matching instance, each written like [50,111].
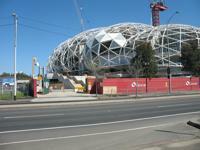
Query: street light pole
[15,53]
[168,68]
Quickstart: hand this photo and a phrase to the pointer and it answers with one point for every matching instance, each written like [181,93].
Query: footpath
[72,98]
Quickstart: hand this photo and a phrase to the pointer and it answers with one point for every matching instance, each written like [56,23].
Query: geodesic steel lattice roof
[171,37]
[115,45]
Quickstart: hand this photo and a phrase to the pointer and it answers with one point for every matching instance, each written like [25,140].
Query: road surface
[128,125]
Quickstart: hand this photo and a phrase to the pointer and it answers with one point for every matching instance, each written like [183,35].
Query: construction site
[99,60]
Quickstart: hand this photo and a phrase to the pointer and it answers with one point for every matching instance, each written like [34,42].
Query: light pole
[168,68]
[15,53]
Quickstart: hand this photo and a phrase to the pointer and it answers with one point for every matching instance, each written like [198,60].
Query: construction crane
[80,15]
[157,6]
[78,11]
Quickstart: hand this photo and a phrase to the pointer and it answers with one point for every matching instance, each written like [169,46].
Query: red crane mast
[157,6]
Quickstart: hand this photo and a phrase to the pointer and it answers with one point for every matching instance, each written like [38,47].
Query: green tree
[20,76]
[135,67]
[145,55]
[5,74]
[23,76]
[191,57]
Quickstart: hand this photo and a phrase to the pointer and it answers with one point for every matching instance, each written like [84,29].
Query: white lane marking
[32,116]
[175,105]
[84,135]
[98,124]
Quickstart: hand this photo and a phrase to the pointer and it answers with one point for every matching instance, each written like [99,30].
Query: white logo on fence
[134,84]
[187,83]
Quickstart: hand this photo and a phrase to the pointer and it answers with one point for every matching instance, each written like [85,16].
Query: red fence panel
[126,85]
[153,85]
[157,85]
[195,83]
[180,84]
[185,84]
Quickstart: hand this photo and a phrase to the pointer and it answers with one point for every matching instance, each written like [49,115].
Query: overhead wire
[6,17]
[40,29]
[43,22]
[34,27]
[5,25]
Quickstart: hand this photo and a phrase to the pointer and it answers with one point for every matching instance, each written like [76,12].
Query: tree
[135,67]
[23,76]
[5,74]
[20,76]
[145,56]
[191,57]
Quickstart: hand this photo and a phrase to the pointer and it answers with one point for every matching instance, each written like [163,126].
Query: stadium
[114,46]
[129,58]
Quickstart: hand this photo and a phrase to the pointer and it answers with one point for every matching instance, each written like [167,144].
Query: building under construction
[114,47]
[109,50]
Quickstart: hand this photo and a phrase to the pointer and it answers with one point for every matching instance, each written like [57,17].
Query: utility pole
[15,53]
[168,68]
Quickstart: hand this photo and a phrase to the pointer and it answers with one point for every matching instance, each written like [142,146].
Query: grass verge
[9,95]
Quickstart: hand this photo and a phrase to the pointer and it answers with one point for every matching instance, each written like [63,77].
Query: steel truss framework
[115,45]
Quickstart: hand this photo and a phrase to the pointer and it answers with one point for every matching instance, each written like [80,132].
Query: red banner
[143,85]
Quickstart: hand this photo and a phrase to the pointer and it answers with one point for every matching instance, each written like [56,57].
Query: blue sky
[43,24]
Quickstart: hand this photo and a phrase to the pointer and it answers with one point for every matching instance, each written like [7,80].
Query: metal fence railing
[7,91]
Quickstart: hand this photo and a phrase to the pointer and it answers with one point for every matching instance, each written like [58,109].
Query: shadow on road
[180,133]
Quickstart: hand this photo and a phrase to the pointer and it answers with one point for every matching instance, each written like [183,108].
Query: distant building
[9,81]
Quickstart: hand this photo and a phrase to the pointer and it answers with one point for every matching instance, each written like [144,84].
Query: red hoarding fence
[146,85]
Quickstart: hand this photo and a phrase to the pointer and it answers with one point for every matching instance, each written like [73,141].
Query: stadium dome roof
[114,46]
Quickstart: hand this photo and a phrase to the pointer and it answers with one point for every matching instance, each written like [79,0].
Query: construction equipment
[79,13]
[157,6]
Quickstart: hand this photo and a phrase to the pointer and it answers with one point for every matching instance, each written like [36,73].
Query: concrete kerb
[150,96]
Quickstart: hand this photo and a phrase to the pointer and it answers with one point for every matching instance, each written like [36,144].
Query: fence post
[199,81]
[146,86]
[136,94]
[2,89]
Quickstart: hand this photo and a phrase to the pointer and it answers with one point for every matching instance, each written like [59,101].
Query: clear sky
[43,24]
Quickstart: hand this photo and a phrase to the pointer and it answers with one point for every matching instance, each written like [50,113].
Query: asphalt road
[94,126]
